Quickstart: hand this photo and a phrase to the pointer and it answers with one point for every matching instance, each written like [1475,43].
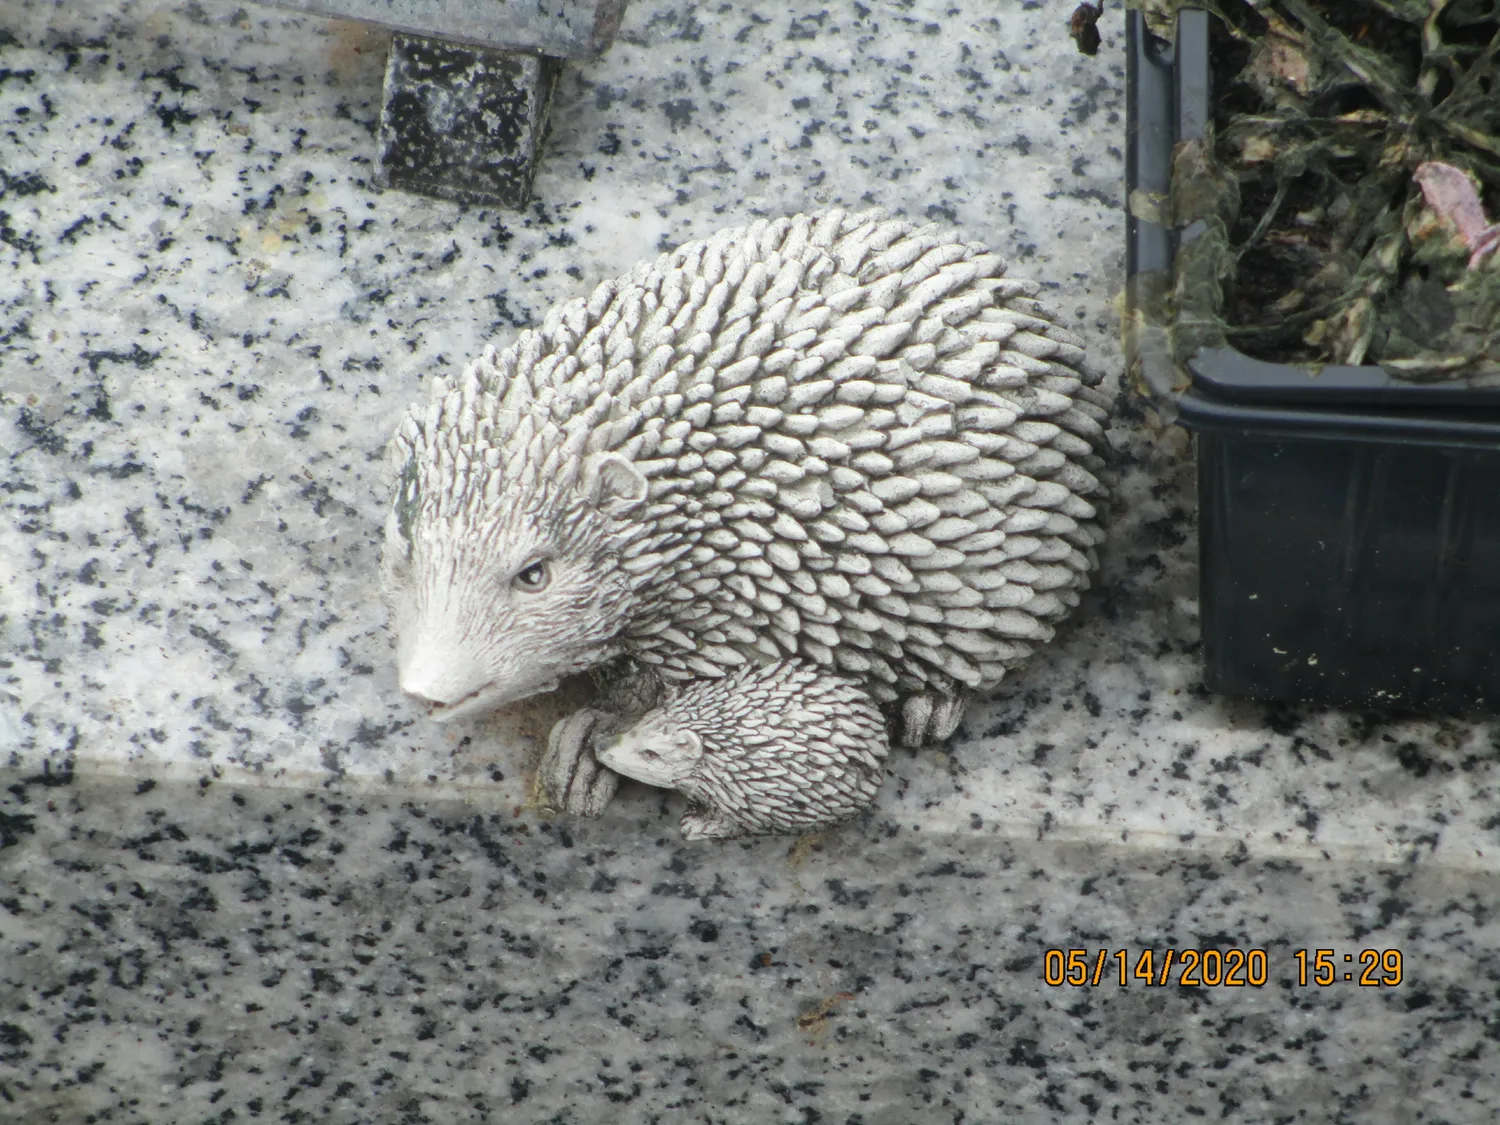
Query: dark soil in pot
[1321,244]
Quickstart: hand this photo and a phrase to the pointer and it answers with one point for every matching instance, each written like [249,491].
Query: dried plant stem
[1265,221]
[1411,11]
[1290,325]
[1368,66]
[1468,84]
[1471,136]
[1432,44]
[1350,336]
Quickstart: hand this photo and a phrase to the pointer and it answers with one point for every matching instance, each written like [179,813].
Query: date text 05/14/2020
[1217,968]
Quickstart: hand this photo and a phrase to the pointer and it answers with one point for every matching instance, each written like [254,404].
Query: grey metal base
[568,29]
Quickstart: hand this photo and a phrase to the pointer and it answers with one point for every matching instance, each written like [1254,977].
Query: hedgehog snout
[485,698]
[436,672]
[653,753]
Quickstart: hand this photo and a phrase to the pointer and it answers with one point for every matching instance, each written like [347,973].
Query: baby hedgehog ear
[612,483]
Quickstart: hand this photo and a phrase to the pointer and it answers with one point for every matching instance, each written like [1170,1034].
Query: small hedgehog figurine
[838,441]
[780,748]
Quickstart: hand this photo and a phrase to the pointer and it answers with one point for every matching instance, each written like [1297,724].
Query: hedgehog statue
[778,748]
[839,441]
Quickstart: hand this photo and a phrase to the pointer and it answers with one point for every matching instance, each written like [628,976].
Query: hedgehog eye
[533,577]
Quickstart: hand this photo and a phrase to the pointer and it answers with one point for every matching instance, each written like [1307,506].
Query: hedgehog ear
[688,744]
[612,483]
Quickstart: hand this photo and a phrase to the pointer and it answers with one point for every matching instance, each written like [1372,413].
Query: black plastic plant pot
[1349,521]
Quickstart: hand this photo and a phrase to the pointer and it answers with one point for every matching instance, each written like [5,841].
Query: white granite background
[209,322]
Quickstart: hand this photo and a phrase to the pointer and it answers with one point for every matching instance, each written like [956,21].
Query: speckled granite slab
[178,953]
[210,321]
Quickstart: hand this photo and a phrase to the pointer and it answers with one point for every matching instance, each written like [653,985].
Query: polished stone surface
[240,879]
[337,955]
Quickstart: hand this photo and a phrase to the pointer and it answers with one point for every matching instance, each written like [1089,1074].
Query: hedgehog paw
[709,824]
[930,717]
[571,778]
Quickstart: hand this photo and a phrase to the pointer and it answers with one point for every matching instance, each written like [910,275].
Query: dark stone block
[463,123]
